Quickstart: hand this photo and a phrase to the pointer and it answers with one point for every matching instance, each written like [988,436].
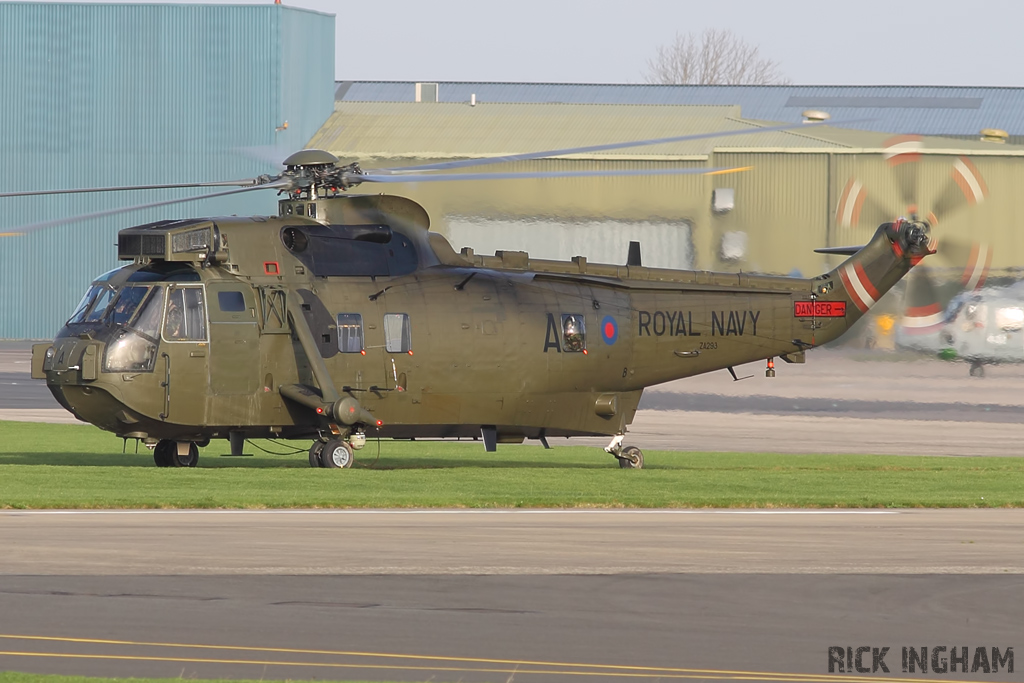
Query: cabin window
[350,333]
[574,333]
[231,302]
[397,333]
[185,318]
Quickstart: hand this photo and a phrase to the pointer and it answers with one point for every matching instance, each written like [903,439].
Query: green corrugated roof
[409,130]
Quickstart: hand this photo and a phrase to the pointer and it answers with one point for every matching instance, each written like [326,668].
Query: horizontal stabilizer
[845,251]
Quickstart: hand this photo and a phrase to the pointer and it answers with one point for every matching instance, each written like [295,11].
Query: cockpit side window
[185,318]
[148,320]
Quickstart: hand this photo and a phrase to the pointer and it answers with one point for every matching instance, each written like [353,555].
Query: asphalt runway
[499,596]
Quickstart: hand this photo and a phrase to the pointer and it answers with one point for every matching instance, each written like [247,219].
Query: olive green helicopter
[344,317]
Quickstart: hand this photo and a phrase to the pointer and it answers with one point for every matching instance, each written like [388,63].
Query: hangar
[766,219]
[101,95]
[113,95]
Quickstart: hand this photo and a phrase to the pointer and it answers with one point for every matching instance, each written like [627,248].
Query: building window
[574,332]
[397,333]
[350,333]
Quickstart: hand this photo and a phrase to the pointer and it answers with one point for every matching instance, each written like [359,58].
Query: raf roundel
[609,330]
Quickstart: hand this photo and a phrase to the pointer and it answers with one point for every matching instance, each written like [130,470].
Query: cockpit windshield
[85,305]
[104,303]
[127,303]
[135,346]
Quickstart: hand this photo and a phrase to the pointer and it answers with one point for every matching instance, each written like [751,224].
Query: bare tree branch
[715,57]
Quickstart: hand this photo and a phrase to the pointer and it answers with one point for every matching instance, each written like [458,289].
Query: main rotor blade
[463,163]
[173,186]
[32,227]
[428,177]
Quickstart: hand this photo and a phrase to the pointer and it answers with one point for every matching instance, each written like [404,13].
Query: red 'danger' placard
[819,309]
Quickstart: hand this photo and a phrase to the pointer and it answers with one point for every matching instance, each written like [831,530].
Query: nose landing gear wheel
[314,454]
[336,454]
[977,370]
[631,458]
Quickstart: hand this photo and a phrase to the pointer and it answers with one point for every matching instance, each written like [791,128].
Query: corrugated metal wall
[106,95]
[783,207]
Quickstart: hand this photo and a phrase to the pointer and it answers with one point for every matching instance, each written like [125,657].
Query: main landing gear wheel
[336,454]
[977,370]
[631,458]
[189,460]
[314,454]
[164,452]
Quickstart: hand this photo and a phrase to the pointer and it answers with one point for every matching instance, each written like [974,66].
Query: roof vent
[426,92]
[994,135]
[815,116]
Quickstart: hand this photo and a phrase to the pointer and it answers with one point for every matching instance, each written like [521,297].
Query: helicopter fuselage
[293,326]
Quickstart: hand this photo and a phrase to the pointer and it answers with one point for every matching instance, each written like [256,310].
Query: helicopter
[344,317]
[981,325]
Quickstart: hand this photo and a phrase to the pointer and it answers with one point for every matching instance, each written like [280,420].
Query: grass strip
[90,472]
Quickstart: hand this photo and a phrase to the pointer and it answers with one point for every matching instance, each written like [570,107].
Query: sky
[857,42]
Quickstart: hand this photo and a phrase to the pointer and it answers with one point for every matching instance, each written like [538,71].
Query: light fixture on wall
[283,126]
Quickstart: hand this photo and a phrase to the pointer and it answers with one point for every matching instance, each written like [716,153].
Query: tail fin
[861,280]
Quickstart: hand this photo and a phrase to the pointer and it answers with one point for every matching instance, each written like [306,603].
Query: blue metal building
[98,95]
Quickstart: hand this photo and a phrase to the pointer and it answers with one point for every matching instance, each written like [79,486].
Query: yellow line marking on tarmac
[643,673]
[610,670]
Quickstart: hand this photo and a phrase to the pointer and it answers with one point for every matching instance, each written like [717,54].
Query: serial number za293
[819,309]
[708,345]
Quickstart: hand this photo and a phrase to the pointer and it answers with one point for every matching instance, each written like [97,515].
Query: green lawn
[72,466]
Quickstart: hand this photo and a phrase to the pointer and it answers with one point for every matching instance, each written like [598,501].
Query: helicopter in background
[981,324]
[344,317]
